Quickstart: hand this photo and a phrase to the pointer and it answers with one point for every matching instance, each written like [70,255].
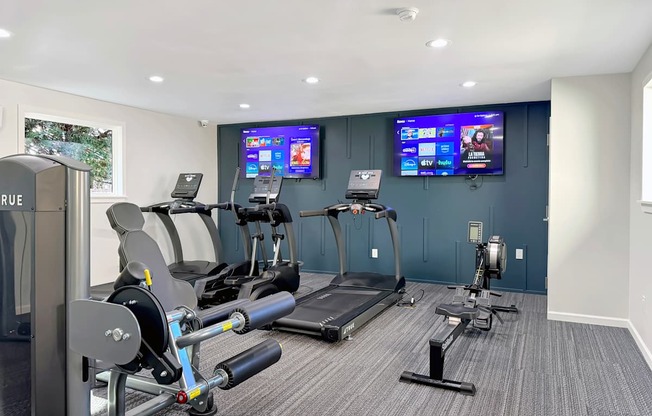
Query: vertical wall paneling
[300,240]
[491,223]
[426,236]
[347,243]
[458,261]
[510,205]
[348,137]
[526,137]
[322,238]
[524,267]
[370,236]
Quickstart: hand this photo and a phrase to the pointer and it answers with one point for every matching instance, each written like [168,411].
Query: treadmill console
[187,186]
[262,188]
[364,184]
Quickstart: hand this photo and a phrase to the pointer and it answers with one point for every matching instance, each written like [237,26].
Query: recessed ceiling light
[156,78]
[4,33]
[437,43]
[469,84]
[245,106]
[311,80]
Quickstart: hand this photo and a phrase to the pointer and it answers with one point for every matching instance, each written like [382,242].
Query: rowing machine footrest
[457,311]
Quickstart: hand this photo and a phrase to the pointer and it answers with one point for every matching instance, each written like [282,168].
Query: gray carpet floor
[526,366]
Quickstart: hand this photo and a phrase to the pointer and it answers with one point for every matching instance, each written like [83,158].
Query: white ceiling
[216,54]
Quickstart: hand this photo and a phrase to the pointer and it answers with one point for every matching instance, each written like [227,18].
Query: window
[97,144]
[646,194]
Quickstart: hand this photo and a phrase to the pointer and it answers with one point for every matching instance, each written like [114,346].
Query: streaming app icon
[252,156]
[408,133]
[409,149]
[409,163]
[253,141]
[277,155]
[427,149]
[444,172]
[426,163]
[265,155]
[409,173]
[278,168]
[278,141]
[445,131]
[264,167]
[445,162]
[252,169]
[445,148]
[265,141]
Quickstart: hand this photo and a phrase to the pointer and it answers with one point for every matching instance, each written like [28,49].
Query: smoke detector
[407,14]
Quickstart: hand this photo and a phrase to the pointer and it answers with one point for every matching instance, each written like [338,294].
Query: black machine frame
[470,305]
[351,299]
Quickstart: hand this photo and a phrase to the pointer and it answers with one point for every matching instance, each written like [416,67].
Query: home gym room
[365,106]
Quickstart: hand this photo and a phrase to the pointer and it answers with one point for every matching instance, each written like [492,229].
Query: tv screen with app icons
[292,151]
[449,144]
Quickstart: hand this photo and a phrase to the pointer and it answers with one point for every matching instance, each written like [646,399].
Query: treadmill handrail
[388,212]
[381,211]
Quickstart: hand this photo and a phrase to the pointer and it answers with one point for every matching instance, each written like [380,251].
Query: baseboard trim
[588,319]
[605,321]
[639,342]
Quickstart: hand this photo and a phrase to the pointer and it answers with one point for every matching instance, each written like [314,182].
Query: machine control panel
[364,184]
[263,188]
[187,186]
[475,232]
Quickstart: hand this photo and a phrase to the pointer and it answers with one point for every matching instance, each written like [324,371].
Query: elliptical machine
[280,275]
[471,304]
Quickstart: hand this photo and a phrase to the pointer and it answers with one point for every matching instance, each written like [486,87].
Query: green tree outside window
[89,145]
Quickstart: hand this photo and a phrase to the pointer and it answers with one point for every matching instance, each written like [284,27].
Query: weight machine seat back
[125,216]
[457,311]
[137,245]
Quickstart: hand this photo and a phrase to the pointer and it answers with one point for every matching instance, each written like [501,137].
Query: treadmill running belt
[331,304]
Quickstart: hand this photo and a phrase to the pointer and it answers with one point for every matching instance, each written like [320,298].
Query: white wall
[640,281]
[588,249]
[157,148]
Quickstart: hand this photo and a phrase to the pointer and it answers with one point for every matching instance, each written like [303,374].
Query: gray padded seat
[125,216]
[137,245]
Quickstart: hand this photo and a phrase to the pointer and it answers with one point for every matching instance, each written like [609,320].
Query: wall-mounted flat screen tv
[449,144]
[293,151]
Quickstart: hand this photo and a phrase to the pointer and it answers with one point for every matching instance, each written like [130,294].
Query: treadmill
[352,298]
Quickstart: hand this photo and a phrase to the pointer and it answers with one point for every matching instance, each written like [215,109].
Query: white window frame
[117,146]
[646,149]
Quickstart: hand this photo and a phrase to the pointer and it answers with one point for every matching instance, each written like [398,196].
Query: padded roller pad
[265,311]
[457,311]
[219,313]
[250,362]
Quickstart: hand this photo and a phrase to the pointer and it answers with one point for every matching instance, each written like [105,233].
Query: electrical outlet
[374,253]
[519,254]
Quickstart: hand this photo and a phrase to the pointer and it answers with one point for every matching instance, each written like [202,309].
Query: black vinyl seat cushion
[457,311]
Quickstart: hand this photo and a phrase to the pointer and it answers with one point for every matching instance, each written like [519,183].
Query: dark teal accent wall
[432,212]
